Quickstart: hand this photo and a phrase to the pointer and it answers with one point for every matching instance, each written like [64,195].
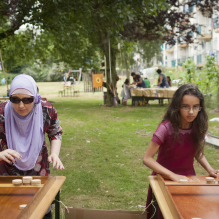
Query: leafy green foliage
[190,68]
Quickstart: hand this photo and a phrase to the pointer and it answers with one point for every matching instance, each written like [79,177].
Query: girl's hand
[176,177]
[213,173]
[9,156]
[53,158]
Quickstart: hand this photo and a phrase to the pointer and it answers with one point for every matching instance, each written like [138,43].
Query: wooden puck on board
[27,180]
[209,180]
[22,206]
[17,182]
[36,182]
[183,180]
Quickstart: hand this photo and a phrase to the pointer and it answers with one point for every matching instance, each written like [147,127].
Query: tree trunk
[126,65]
[111,81]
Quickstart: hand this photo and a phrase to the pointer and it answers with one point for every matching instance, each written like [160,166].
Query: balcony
[183,45]
[205,33]
[170,49]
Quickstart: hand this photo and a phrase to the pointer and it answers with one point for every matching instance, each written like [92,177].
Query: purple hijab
[24,134]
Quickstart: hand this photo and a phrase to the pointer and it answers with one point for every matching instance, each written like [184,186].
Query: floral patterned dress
[51,126]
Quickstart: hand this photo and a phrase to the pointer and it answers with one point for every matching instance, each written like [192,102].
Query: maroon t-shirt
[176,156]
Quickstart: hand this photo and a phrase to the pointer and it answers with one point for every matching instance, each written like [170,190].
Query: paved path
[212,140]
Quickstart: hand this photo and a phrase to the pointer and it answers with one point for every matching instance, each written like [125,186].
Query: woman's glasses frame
[26,100]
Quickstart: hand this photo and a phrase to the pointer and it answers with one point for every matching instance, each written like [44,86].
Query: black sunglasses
[26,100]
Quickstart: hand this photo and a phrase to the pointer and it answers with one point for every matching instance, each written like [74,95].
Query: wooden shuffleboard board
[196,199]
[37,198]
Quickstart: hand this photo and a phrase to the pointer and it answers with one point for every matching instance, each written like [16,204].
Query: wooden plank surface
[190,201]
[9,185]
[38,199]
[196,201]
[43,199]
[12,198]
[162,199]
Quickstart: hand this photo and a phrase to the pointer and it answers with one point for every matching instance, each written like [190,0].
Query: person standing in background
[169,81]
[162,79]
[137,80]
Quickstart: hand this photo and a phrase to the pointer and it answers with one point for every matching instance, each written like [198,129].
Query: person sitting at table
[169,81]
[147,83]
[24,120]
[137,80]
[162,79]
[125,93]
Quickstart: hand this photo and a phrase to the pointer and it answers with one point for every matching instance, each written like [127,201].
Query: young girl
[125,93]
[179,139]
[169,81]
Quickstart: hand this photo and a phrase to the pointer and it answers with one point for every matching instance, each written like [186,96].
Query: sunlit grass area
[102,149]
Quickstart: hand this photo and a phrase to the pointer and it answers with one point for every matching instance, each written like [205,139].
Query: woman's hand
[53,158]
[176,177]
[9,156]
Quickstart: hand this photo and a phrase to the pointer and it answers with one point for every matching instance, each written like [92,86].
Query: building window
[216,23]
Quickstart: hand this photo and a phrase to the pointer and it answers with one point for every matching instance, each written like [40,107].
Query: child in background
[125,93]
[169,81]
[179,138]
[147,83]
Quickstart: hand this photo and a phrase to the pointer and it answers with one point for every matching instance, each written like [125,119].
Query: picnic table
[145,94]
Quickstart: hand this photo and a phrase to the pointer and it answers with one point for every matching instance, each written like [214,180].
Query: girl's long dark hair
[200,124]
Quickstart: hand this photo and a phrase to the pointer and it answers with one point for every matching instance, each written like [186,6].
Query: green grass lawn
[102,152]
[102,149]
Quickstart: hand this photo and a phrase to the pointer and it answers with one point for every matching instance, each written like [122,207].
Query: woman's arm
[54,154]
[204,163]
[140,81]
[149,161]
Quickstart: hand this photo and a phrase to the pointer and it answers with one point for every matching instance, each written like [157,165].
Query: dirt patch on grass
[140,130]
[214,111]
[141,133]
[74,123]
[127,109]
[216,129]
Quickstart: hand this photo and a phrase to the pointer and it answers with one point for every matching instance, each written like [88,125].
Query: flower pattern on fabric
[53,129]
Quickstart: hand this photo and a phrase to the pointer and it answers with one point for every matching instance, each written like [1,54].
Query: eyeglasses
[26,100]
[188,108]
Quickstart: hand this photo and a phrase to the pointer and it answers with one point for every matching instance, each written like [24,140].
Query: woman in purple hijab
[24,120]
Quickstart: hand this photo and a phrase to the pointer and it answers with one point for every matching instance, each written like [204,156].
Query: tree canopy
[83,31]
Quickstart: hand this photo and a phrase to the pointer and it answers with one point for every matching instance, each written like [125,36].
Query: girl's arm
[203,161]
[149,161]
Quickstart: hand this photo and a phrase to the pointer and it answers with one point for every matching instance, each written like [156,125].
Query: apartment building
[205,43]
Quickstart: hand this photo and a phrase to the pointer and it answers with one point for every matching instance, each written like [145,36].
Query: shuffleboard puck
[27,179]
[17,182]
[22,206]
[183,180]
[35,182]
